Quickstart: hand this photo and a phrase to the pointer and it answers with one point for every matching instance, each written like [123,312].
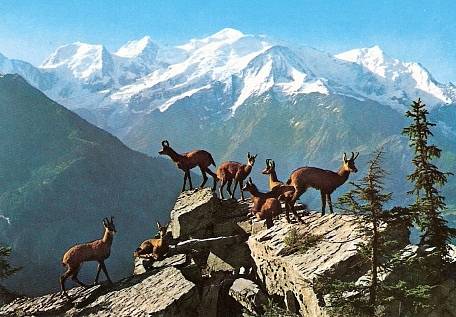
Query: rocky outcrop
[292,276]
[249,295]
[223,262]
[164,292]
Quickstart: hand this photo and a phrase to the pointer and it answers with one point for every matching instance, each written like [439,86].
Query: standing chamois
[280,190]
[264,206]
[154,248]
[229,171]
[324,180]
[98,250]
[187,161]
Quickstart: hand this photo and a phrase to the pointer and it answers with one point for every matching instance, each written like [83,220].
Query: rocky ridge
[222,262]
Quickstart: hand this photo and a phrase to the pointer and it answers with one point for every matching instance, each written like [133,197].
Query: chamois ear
[112,220]
[272,163]
[105,222]
[344,157]
[268,162]
[165,143]
[248,155]
[158,225]
[356,156]
[255,156]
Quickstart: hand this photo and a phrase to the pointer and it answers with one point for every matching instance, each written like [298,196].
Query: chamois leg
[214,176]
[323,203]
[63,277]
[241,185]
[74,277]
[228,187]
[298,192]
[105,271]
[189,179]
[185,181]
[98,274]
[234,189]
[328,198]
[204,178]
[269,222]
[287,212]
[221,188]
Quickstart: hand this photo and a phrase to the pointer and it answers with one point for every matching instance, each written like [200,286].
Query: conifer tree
[5,268]
[370,296]
[427,179]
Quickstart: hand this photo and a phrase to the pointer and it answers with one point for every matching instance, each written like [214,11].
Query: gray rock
[143,265]
[193,214]
[248,294]
[163,292]
[292,276]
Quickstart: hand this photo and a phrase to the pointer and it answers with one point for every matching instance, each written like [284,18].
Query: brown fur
[229,171]
[264,207]
[283,192]
[98,250]
[154,248]
[324,180]
[188,160]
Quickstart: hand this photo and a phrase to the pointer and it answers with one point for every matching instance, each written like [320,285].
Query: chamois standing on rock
[154,248]
[187,161]
[324,180]
[280,190]
[264,207]
[229,171]
[98,250]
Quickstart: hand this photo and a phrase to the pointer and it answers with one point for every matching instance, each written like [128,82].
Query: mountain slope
[59,176]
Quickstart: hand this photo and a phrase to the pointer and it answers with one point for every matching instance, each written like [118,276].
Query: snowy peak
[225,36]
[83,61]
[142,47]
[397,76]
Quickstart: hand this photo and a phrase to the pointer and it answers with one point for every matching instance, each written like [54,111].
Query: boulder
[200,214]
[143,265]
[249,295]
[292,275]
[163,292]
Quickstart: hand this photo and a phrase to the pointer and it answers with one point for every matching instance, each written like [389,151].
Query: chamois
[270,170]
[98,250]
[187,161]
[154,248]
[229,171]
[264,207]
[324,180]
[280,190]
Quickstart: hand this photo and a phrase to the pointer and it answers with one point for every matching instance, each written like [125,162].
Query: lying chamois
[264,207]
[98,250]
[154,248]
[229,171]
[187,161]
[324,180]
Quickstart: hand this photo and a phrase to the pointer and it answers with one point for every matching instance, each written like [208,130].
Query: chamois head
[251,159]
[165,148]
[162,229]
[349,164]
[109,225]
[249,185]
[270,166]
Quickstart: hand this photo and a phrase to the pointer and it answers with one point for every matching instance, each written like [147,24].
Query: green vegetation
[296,241]
[374,293]
[5,267]
[427,180]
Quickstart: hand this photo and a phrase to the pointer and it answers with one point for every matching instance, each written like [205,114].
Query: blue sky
[422,31]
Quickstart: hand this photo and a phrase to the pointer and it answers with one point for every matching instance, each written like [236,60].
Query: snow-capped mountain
[227,68]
